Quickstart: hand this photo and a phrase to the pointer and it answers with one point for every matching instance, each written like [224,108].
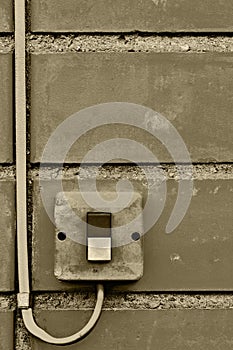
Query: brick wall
[177,58]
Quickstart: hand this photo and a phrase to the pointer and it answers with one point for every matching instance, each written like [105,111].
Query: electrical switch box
[93,244]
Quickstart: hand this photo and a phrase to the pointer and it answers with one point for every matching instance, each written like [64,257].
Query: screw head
[61,236]
[135,236]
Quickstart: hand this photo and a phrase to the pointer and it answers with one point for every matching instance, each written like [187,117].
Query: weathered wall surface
[175,57]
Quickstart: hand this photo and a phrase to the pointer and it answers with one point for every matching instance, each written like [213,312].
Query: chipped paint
[161,3]
[195,191]
[216,190]
[175,257]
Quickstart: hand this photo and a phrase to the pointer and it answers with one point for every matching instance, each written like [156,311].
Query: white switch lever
[99,236]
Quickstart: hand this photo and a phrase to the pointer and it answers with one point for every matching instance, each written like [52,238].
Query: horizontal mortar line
[7,165]
[6,44]
[69,166]
[8,293]
[6,34]
[194,33]
[199,172]
[61,43]
[138,301]
[167,308]
[7,301]
[7,172]
[78,165]
[9,37]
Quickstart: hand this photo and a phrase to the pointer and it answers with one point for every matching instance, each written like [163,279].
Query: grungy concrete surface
[193,91]
[6,16]
[143,329]
[131,15]
[6,111]
[7,235]
[194,257]
[7,330]
[191,83]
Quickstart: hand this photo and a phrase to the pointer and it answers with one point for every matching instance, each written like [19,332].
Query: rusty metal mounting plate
[71,262]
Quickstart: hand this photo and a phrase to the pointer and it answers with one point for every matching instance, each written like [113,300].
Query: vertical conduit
[21,178]
[21,196]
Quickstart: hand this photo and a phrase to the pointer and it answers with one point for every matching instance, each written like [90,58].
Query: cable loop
[38,332]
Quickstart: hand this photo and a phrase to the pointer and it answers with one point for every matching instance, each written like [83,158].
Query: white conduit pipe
[21,196]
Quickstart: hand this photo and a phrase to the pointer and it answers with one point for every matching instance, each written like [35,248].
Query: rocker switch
[99,236]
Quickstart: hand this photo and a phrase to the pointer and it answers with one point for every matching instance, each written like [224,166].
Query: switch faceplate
[74,260]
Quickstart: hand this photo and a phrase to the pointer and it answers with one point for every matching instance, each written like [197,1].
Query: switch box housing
[71,261]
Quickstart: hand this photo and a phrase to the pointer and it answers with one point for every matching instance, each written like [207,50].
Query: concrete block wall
[177,58]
